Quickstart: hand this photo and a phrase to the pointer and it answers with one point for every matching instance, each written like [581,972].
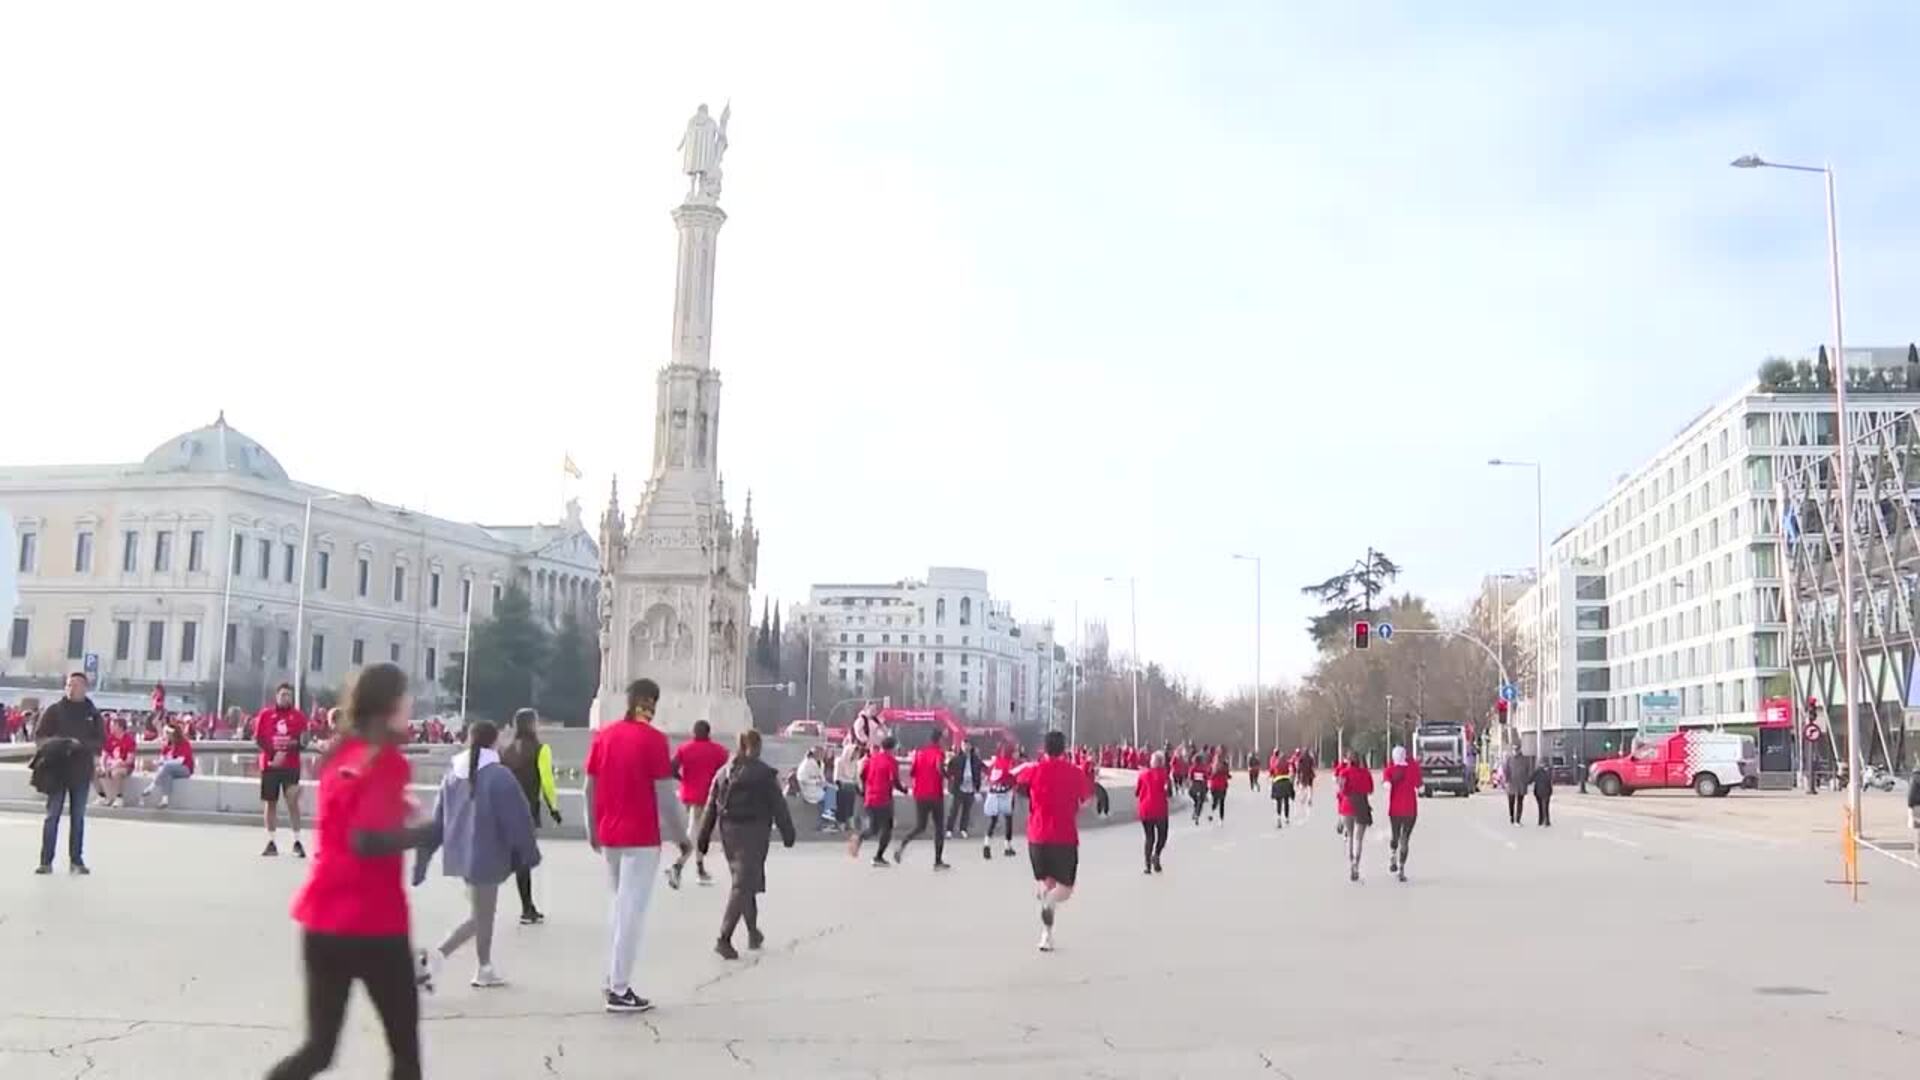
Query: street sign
[1384,631]
[1813,732]
[1509,692]
[92,666]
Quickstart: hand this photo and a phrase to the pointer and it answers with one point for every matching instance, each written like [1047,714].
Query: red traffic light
[1362,631]
[1500,707]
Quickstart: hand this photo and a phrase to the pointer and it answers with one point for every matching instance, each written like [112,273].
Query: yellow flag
[567,466]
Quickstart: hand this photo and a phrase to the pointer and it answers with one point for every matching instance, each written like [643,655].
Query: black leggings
[1156,830]
[1283,807]
[1197,796]
[523,880]
[1516,802]
[1220,804]
[741,904]
[880,824]
[926,812]
[960,813]
[1400,838]
[1100,803]
[333,963]
[1544,807]
[994,820]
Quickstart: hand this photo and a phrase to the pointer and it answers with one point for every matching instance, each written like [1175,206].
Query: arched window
[966,610]
[940,612]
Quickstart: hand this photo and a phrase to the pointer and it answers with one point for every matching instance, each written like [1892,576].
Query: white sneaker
[164,800]
[486,978]
[1046,940]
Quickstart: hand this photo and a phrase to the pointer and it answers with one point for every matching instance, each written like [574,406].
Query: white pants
[632,870]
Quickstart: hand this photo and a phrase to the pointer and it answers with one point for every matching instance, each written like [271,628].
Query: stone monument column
[699,226]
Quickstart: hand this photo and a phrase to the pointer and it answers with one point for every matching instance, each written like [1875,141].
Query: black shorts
[1058,863]
[275,782]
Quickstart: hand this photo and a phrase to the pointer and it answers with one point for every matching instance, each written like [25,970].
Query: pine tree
[573,675]
[509,652]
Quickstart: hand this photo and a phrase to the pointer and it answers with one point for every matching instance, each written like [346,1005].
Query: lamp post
[1845,477]
[1255,560]
[1539,601]
[466,643]
[1133,624]
[300,650]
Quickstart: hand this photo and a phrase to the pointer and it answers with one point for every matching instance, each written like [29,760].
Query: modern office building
[1671,590]
[134,568]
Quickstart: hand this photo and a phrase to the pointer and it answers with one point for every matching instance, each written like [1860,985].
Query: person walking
[745,807]
[69,735]
[1403,806]
[696,763]
[1253,771]
[481,824]
[1542,780]
[632,806]
[280,731]
[965,773]
[1055,790]
[1356,808]
[352,911]
[1152,793]
[1516,775]
[881,776]
[928,771]
[1280,785]
[531,763]
[998,804]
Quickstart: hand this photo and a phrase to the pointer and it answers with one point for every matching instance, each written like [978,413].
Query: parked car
[1711,763]
[804,729]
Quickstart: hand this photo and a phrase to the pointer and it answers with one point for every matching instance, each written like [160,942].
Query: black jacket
[55,764]
[746,806]
[1542,781]
[957,766]
[79,721]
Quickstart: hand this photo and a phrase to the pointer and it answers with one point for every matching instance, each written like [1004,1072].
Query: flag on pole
[567,466]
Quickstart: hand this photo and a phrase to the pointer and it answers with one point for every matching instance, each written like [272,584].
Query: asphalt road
[1613,944]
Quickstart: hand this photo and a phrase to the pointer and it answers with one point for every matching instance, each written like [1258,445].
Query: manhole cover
[1788,991]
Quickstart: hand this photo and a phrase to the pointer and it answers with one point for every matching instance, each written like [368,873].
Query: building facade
[1670,593]
[941,641]
[185,569]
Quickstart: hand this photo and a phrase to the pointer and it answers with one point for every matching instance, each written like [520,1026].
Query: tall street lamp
[1133,624]
[1539,601]
[1255,560]
[1754,161]
[301,653]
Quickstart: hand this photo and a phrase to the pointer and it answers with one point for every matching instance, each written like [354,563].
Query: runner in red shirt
[1355,782]
[1218,781]
[1152,791]
[998,804]
[353,908]
[1055,790]
[928,771]
[280,731]
[880,778]
[1403,805]
[696,763]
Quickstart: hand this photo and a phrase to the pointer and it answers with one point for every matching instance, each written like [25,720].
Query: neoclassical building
[161,570]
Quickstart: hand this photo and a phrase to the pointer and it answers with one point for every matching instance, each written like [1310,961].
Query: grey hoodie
[481,822]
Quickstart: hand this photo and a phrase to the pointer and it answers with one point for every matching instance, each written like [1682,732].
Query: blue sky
[1057,290]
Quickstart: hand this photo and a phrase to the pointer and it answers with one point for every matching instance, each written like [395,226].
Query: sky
[1063,291]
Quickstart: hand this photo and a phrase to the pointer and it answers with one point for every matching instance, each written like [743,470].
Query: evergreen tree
[509,652]
[573,675]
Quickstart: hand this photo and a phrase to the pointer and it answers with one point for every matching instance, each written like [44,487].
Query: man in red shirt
[280,731]
[1055,790]
[696,763]
[631,805]
[880,778]
[928,770]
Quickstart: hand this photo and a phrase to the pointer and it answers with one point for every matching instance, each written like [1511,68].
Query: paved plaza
[1628,940]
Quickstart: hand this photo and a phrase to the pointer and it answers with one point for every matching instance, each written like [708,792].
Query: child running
[1055,789]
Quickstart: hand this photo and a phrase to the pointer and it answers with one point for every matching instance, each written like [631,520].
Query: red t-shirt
[1403,789]
[118,748]
[697,763]
[1151,791]
[181,749]
[1219,778]
[1055,790]
[627,758]
[277,732]
[929,772]
[881,772]
[361,787]
[1353,780]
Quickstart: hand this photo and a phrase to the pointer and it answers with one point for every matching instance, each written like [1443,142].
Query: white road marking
[1496,837]
[1609,838]
[1877,849]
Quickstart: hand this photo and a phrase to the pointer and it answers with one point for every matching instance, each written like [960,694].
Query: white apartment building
[942,641]
[1673,584]
[133,568]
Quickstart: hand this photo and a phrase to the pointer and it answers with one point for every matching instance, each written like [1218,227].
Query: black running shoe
[627,1002]
[272,849]
[299,850]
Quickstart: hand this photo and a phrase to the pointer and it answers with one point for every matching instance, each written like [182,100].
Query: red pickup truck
[1711,763]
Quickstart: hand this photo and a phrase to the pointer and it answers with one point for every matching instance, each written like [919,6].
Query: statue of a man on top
[701,148]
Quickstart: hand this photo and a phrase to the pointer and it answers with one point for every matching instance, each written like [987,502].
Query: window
[123,639]
[284,654]
[496,596]
[318,658]
[156,641]
[366,575]
[189,641]
[939,658]
[129,551]
[233,544]
[259,646]
[393,653]
[323,569]
[859,639]
[231,648]
[287,561]
[82,552]
[433,590]
[963,695]
[162,552]
[966,610]
[963,659]
[196,551]
[940,612]
[266,560]
[466,595]
[433,665]
[358,654]
[399,584]
[76,638]
[17,640]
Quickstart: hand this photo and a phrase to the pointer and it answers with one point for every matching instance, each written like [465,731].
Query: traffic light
[1362,631]
[1500,709]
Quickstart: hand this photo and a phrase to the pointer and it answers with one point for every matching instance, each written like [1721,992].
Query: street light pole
[1073,706]
[1845,477]
[466,645]
[1133,623]
[1539,602]
[1255,560]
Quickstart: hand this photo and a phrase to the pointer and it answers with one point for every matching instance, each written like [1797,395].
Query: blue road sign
[1509,692]
[92,665]
[1383,631]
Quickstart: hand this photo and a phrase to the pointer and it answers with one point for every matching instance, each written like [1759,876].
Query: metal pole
[810,665]
[1133,619]
[1540,614]
[466,647]
[1256,658]
[1073,705]
[1854,756]
[226,620]
[299,607]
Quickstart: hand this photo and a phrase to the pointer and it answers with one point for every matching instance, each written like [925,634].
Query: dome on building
[213,449]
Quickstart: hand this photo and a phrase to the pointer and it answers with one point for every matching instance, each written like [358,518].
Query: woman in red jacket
[1152,791]
[1403,805]
[1356,808]
[353,908]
